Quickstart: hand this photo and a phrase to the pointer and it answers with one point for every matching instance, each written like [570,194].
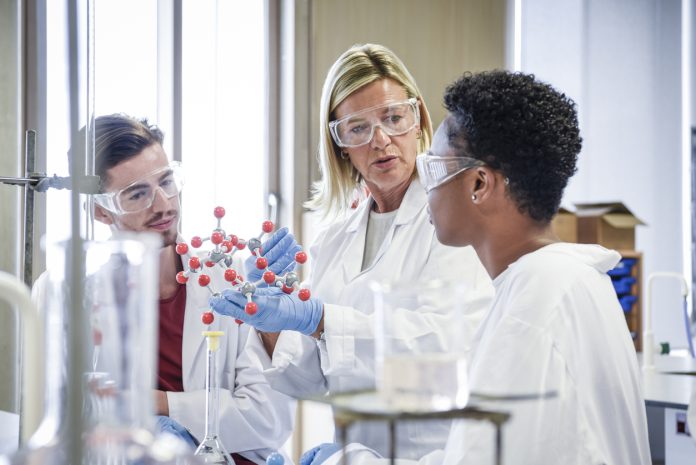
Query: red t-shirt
[171,334]
[239,460]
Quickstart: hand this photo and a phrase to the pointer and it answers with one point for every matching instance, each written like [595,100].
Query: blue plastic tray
[623,268]
[627,302]
[624,284]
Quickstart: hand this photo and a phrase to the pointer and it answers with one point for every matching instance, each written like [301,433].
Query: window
[223,106]
[223,101]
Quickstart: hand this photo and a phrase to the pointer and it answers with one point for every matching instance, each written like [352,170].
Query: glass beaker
[422,336]
[120,283]
[121,295]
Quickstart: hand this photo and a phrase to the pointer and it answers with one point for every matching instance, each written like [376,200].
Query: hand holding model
[275,310]
[271,264]
[279,250]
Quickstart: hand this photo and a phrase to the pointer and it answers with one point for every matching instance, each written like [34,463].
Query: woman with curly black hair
[495,176]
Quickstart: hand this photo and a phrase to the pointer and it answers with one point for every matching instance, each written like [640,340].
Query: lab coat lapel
[353,253]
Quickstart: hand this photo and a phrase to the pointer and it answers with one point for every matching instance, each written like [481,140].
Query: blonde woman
[374,123]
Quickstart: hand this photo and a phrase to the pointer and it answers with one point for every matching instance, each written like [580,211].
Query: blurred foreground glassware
[429,371]
[211,449]
[121,291]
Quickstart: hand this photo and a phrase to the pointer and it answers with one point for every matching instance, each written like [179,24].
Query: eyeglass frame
[423,159]
[108,200]
[413,102]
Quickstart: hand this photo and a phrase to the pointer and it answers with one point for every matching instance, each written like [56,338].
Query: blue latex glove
[275,459]
[277,310]
[319,454]
[167,425]
[279,250]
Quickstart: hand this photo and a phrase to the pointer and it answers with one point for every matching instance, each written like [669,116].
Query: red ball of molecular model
[224,248]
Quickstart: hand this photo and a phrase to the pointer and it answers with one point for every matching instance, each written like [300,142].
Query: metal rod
[178,82]
[75,262]
[29,166]
[498,444]
[18,181]
[90,129]
[343,431]
[392,442]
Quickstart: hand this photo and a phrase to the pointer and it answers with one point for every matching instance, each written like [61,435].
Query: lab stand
[351,408]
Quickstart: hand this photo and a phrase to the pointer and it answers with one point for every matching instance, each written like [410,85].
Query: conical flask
[211,450]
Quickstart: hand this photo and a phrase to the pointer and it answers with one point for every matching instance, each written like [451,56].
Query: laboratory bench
[668,390]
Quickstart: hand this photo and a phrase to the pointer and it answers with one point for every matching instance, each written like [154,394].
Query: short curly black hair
[522,127]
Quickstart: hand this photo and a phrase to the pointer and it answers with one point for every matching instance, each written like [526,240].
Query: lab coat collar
[411,205]
[414,201]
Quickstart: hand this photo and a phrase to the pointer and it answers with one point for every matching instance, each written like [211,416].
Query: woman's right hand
[275,310]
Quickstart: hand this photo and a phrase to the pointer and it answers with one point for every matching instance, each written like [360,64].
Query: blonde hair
[357,67]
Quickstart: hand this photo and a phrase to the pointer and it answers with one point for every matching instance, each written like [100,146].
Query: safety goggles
[358,128]
[140,194]
[435,171]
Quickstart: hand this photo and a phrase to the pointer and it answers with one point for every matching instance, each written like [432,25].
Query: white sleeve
[495,372]
[349,334]
[253,417]
[295,368]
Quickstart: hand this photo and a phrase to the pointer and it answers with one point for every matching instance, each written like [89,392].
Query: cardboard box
[565,225]
[610,224]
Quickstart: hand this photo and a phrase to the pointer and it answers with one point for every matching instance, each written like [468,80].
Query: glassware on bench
[429,371]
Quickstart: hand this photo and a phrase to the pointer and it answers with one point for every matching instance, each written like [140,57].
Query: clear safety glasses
[357,129]
[140,194]
[435,171]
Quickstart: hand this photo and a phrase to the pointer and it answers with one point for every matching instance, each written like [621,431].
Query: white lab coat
[344,360]
[255,420]
[555,324]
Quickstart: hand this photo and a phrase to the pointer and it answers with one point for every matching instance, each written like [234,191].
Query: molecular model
[225,246]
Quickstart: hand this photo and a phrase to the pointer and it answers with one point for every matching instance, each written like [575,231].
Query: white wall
[620,60]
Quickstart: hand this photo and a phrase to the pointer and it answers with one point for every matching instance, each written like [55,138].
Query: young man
[140,192]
